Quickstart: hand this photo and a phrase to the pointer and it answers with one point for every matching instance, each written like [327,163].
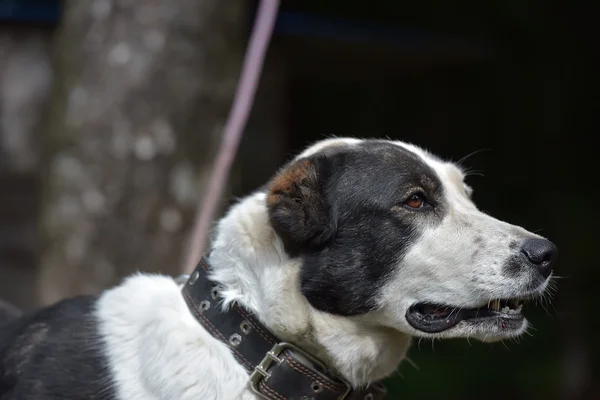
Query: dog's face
[389,231]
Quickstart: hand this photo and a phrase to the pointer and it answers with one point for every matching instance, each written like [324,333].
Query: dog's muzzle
[277,369]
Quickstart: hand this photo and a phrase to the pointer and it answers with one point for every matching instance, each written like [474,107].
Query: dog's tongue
[436,311]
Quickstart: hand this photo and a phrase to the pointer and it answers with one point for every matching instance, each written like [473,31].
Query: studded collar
[277,370]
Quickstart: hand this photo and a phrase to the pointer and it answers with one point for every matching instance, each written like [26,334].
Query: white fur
[157,350]
[434,271]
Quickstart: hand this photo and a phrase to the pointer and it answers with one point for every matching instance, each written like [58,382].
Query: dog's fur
[328,257]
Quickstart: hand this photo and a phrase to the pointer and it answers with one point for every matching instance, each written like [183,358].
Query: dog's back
[49,353]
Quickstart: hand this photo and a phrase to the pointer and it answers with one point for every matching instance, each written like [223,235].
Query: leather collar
[278,370]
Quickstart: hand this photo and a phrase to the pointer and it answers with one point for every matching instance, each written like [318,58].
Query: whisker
[473,173]
[398,373]
[528,333]
[411,362]
[465,158]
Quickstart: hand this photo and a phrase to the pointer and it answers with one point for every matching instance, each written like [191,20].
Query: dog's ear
[298,207]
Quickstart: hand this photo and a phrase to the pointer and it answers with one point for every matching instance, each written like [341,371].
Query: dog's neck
[249,261]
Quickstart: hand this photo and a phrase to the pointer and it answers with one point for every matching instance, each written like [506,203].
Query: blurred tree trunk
[25,84]
[143,90]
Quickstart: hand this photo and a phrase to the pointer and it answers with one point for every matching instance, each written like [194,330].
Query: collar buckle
[261,371]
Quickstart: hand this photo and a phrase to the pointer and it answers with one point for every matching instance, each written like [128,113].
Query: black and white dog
[353,248]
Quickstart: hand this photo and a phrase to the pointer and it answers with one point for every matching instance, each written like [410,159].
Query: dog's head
[388,230]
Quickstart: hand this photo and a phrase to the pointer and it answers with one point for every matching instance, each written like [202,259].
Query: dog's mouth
[435,318]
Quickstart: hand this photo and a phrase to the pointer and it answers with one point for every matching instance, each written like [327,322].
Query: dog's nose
[542,253]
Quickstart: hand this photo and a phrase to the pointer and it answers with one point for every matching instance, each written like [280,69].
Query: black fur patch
[298,206]
[55,353]
[342,212]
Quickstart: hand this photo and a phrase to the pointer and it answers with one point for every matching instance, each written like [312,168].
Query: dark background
[515,78]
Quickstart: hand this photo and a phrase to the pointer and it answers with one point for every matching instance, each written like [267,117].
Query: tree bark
[143,90]
[25,85]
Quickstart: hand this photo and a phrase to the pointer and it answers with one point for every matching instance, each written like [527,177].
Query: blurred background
[111,112]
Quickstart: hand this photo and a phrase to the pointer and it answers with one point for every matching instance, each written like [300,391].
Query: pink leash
[242,105]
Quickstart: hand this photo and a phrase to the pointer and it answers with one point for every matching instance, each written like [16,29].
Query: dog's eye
[417,200]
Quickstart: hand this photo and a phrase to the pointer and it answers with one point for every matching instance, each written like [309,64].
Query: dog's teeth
[495,305]
[513,308]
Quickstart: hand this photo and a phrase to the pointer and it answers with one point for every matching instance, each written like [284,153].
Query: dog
[354,247]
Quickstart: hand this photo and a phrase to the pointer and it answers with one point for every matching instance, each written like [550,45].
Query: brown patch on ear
[289,181]
[298,209]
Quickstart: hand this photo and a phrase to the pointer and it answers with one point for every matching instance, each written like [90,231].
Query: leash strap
[278,370]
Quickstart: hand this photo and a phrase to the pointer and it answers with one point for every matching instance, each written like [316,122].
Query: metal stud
[235,340]
[205,305]
[316,387]
[214,293]
[246,327]
[194,277]
[369,396]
